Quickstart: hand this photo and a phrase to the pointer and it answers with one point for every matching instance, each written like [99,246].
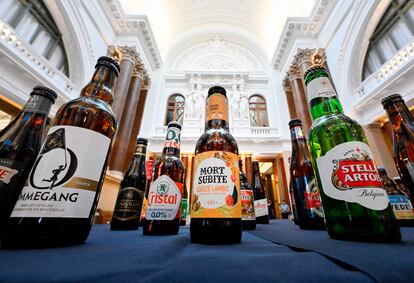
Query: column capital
[139,70]
[294,73]
[120,53]
[286,84]
[319,57]
[304,56]
[146,83]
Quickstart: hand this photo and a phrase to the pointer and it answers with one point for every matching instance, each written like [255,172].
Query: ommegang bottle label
[348,173]
[164,199]
[65,176]
[216,186]
[320,87]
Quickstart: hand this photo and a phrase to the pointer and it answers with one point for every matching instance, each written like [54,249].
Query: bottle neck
[322,97]
[38,104]
[102,84]
[217,112]
[399,114]
[300,151]
[138,161]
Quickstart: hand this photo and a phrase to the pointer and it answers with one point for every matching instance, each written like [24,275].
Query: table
[279,252]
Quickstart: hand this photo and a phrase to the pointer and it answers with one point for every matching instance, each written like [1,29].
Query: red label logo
[352,173]
[6,174]
[312,200]
[149,165]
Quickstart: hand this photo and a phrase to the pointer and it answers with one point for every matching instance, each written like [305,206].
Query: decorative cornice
[306,27]
[133,25]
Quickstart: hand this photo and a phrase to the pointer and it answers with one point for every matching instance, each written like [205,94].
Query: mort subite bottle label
[65,176]
[164,199]
[353,176]
[216,186]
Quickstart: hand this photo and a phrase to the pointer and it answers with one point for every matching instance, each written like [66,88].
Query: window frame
[258,110]
[174,108]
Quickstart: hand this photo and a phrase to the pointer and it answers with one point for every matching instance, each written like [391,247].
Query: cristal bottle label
[164,199]
[319,87]
[348,173]
[173,137]
[128,204]
[260,207]
[65,177]
[247,204]
[216,186]
[401,206]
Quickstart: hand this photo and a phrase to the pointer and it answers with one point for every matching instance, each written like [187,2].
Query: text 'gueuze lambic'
[215,195]
[164,194]
[131,192]
[20,143]
[403,139]
[305,190]
[260,199]
[355,204]
[58,202]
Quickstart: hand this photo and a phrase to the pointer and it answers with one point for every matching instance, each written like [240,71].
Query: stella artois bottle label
[348,173]
[65,177]
[216,186]
[320,87]
[164,199]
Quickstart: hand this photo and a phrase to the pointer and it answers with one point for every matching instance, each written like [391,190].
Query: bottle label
[9,171]
[66,175]
[140,150]
[247,204]
[216,186]
[164,199]
[128,204]
[217,107]
[260,207]
[320,87]
[311,194]
[173,137]
[149,165]
[348,173]
[184,206]
[401,206]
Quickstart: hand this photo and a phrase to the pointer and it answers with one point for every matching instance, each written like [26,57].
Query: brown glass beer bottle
[58,202]
[215,195]
[163,197]
[260,200]
[128,204]
[20,143]
[247,201]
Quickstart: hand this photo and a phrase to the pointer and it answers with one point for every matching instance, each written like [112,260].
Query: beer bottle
[292,202]
[401,205]
[400,185]
[184,206]
[247,201]
[58,202]
[20,143]
[403,139]
[355,204]
[215,205]
[260,200]
[131,194]
[305,190]
[162,215]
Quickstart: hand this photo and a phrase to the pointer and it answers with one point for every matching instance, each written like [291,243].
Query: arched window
[175,108]
[394,31]
[33,23]
[258,111]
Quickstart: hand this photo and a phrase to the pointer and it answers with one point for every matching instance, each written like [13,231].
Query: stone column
[127,58]
[381,151]
[289,98]
[249,168]
[299,96]
[146,84]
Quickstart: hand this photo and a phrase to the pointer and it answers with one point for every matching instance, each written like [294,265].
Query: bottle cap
[295,122]
[142,141]
[216,89]
[174,124]
[313,68]
[391,99]
[108,62]
[44,91]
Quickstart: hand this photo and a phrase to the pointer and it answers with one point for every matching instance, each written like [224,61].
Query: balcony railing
[263,131]
[254,132]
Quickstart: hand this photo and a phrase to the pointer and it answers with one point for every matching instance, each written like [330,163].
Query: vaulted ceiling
[182,23]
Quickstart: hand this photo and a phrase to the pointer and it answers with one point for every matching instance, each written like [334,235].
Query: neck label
[320,87]
[173,138]
[140,150]
[217,107]
[348,173]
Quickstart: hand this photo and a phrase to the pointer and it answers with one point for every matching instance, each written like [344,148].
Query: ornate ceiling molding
[133,25]
[307,27]
[217,55]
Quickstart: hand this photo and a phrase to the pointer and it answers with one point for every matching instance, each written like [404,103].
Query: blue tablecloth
[128,256]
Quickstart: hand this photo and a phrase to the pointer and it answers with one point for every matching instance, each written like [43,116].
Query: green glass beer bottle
[355,204]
